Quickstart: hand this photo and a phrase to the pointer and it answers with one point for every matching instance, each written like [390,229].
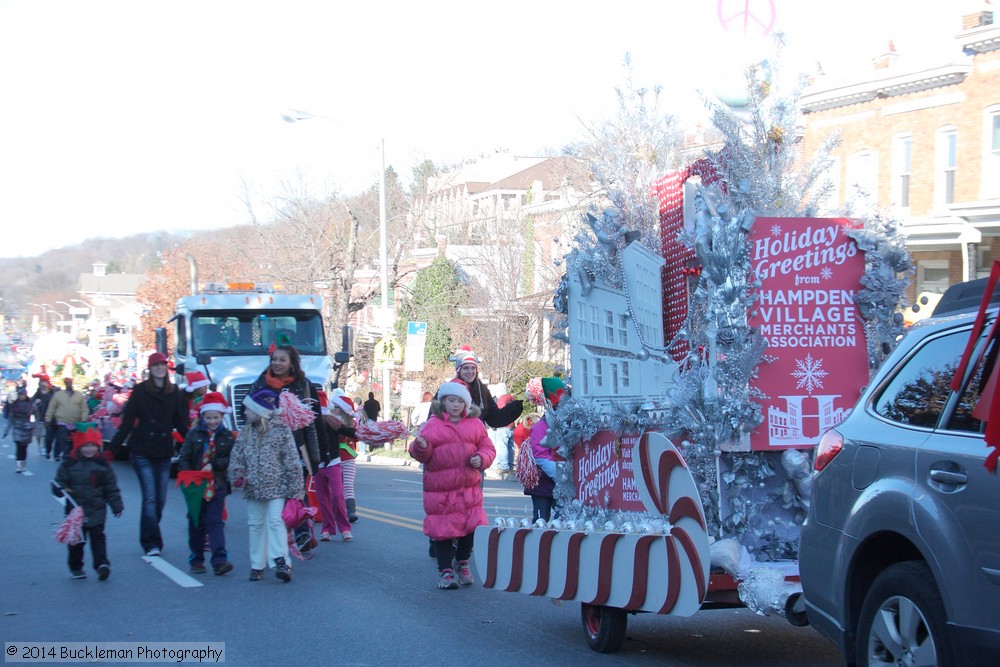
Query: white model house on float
[607,353]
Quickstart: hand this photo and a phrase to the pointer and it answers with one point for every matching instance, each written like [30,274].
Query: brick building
[925,142]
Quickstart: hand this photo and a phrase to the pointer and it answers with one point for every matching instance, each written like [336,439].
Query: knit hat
[263,403]
[42,377]
[195,380]
[339,399]
[554,390]
[464,355]
[86,433]
[456,388]
[213,400]
[156,358]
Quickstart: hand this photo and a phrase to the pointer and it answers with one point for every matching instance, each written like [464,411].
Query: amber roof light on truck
[238,287]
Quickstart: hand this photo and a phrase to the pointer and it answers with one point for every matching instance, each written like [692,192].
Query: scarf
[206,459]
[277,383]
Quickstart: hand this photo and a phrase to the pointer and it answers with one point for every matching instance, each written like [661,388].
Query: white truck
[227,330]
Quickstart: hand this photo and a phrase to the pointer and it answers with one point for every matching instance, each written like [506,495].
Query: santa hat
[324,402]
[213,400]
[263,403]
[86,433]
[464,355]
[456,388]
[339,399]
[195,380]
[42,377]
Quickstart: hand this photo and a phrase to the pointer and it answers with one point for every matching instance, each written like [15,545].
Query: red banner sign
[810,271]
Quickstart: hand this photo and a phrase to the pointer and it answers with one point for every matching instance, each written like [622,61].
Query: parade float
[717,328]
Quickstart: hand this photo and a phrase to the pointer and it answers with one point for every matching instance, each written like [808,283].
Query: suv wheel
[903,619]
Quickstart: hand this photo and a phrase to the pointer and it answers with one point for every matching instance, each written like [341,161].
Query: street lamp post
[388,318]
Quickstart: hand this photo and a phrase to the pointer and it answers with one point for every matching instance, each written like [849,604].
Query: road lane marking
[392,519]
[172,573]
[405,481]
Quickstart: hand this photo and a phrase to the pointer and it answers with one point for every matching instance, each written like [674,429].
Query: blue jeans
[154,477]
[503,442]
[209,523]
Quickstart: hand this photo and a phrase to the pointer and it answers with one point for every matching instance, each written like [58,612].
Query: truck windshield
[231,333]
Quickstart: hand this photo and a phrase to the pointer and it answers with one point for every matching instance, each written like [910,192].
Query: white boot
[20,466]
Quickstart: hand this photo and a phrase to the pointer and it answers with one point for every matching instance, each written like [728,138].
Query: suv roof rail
[964,297]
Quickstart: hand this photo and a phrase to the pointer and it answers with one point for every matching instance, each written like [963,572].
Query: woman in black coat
[285,373]
[154,410]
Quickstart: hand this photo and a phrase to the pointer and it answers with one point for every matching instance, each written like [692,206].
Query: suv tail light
[829,446]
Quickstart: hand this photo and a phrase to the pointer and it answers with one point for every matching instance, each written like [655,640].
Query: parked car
[900,555]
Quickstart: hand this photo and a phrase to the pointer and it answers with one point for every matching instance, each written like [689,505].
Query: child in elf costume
[336,419]
[206,450]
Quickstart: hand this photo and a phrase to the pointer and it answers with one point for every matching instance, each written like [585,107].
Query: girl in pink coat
[453,447]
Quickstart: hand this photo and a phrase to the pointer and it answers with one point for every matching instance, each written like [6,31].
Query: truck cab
[228,329]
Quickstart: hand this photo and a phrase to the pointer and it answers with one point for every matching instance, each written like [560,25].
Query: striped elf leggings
[350,469]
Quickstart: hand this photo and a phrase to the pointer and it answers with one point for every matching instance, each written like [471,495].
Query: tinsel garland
[711,406]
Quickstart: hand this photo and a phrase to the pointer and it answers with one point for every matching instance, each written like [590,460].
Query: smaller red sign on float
[810,271]
[603,472]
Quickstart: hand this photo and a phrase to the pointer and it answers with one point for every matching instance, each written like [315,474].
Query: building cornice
[901,84]
[982,39]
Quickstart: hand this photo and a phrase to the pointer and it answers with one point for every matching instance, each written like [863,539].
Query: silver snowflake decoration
[775,230]
[809,373]
[826,273]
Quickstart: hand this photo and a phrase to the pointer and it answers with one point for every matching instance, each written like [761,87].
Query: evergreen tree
[435,297]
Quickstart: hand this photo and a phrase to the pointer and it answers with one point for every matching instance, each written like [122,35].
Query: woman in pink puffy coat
[453,447]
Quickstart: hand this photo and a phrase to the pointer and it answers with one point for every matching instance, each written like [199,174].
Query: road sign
[416,337]
[388,351]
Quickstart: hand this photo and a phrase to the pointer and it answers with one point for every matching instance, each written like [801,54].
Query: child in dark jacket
[207,446]
[90,481]
[21,411]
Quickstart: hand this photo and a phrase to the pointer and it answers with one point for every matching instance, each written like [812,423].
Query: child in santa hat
[207,447]
[90,481]
[336,417]
[196,385]
[453,447]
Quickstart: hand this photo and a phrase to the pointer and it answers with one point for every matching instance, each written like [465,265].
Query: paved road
[369,602]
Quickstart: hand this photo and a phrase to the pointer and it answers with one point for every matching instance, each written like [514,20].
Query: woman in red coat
[453,447]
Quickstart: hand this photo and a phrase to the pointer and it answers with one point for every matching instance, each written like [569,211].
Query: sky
[121,117]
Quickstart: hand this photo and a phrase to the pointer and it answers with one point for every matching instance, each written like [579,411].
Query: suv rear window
[919,391]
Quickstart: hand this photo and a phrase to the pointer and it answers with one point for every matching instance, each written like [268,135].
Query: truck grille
[239,392]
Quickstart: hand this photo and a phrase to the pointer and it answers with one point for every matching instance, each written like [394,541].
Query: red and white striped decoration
[659,573]
[670,194]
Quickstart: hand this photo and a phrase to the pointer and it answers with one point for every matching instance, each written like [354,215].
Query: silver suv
[900,554]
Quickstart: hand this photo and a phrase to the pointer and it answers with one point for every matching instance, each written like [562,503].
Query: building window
[945,158]
[609,327]
[901,147]
[614,378]
[623,331]
[830,180]
[862,173]
[932,276]
[991,153]
[581,322]
[598,373]
[586,377]
[984,260]
[595,327]
[625,382]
